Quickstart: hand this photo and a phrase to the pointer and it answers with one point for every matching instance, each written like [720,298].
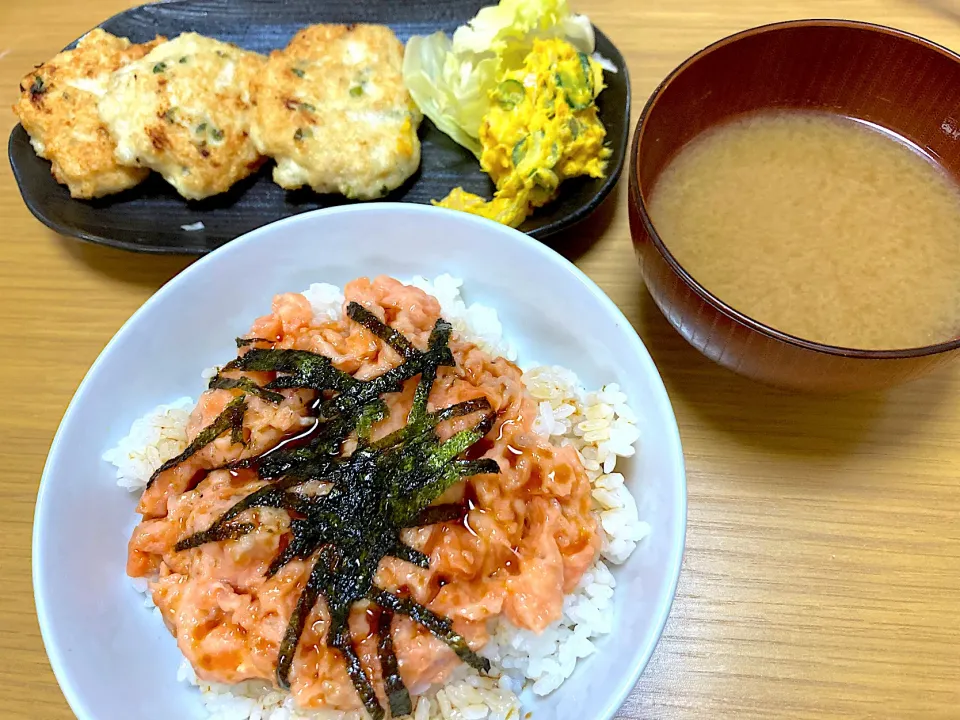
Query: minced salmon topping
[527,537]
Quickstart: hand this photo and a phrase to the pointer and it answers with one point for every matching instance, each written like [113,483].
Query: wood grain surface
[822,571]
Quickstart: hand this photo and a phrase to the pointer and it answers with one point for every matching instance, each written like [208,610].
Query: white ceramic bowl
[113,659]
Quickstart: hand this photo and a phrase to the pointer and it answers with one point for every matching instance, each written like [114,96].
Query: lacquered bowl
[891,78]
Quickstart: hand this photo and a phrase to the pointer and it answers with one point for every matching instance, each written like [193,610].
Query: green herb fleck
[201,128]
[510,93]
[38,88]
[356,90]
[519,150]
[216,134]
[297,71]
[170,115]
[308,107]
[545,179]
[183,60]
[577,83]
[159,67]
[302,134]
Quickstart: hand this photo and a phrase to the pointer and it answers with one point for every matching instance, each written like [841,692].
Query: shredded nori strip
[243,342]
[436,514]
[411,555]
[247,385]
[393,338]
[441,627]
[304,369]
[398,696]
[375,492]
[231,418]
[370,416]
[308,598]
[361,682]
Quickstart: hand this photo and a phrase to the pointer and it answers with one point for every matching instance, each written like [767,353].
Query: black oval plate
[149,218]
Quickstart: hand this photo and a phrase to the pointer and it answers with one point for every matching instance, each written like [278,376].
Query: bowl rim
[606,708]
[636,198]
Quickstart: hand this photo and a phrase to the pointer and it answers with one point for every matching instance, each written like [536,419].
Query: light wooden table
[822,572]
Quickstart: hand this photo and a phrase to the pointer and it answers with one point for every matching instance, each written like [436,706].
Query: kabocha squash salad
[542,129]
[518,88]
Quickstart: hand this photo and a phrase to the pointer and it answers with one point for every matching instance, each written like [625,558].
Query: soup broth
[820,226]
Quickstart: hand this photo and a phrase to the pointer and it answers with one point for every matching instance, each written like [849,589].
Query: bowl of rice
[589,390]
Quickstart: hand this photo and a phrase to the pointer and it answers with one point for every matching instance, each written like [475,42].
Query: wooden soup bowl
[891,78]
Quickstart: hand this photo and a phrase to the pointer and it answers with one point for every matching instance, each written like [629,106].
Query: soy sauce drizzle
[230,419]
[381,488]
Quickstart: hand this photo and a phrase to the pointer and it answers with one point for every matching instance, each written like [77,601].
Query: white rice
[602,428]
[153,439]
[477,323]
[467,695]
[326,300]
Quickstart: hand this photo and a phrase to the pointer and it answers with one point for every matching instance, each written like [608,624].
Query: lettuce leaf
[451,80]
[452,91]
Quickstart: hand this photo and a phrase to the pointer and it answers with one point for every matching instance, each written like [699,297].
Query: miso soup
[823,227]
